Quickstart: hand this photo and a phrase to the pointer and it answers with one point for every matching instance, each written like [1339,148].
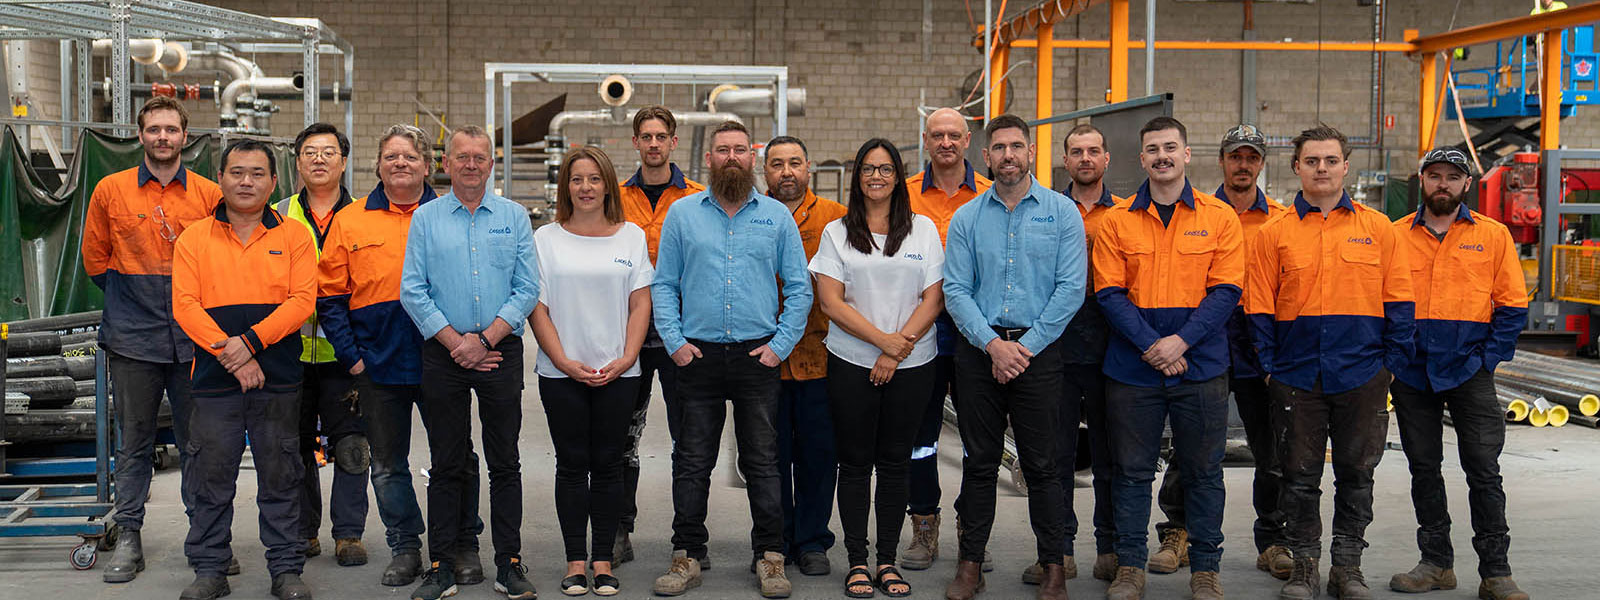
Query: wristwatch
[483,340]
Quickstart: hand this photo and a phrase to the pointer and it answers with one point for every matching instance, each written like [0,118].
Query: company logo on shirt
[500,230]
[1366,241]
[1048,219]
[767,222]
[623,261]
[1198,233]
[911,256]
[281,252]
[1472,247]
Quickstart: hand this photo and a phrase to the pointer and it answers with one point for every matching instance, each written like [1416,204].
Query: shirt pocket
[1364,264]
[1139,253]
[502,256]
[758,242]
[125,228]
[1039,242]
[1194,257]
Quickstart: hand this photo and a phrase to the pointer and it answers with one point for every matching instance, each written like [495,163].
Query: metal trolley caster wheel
[83,556]
[1018,482]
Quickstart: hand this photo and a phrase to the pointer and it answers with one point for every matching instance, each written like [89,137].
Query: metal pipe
[170,57]
[1150,51]
[562,120]
[1567,398]
[1380,10]
[223,60]
[237,87]
[755,102]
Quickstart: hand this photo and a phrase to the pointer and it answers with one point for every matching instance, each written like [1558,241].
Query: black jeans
[1250,396]
[1303,421]
[329,408]
[924,471]
[447,391]
[137,388]
[726,373]
[220,426]
[872,429]
[651,361]
[589,428]
[1087,384]
[1029,404]
[1480,426]
[807,465]
[387,411]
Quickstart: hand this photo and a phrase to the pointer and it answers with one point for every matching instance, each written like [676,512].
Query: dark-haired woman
[878,274]
[590,322]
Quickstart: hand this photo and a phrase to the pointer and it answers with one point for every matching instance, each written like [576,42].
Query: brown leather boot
[924,547]
[1500,588]
[1277,561]
[1423,578]
[968,582]
[1174,552]
[1348,583]
[1054,586]
[1129,584]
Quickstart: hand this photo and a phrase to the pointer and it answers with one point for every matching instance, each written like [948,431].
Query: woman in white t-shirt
[878,274]
[594,306]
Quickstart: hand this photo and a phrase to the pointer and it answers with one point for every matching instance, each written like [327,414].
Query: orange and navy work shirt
[358,289]
[1086,336]
[260,290]
[1182,278]
[1472,301]
[1245,363]
[128,237]
[932,202]
[809,360]
[1329,297]
[636,207]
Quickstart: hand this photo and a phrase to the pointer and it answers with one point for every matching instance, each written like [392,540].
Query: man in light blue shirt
[469,282]
[728,258]
[1014,276]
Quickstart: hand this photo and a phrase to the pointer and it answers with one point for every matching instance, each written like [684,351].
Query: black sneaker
[512,581]
[437,582]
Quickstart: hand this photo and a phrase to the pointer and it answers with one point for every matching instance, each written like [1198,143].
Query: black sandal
[884,582]
[858,589]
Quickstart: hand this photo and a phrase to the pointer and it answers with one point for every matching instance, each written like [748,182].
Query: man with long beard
[717,305]
[1471,304]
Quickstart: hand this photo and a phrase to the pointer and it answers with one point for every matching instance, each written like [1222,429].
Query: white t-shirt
[884,289]
[585,282]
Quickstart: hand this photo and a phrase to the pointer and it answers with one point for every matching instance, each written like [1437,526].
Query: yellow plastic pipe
[1558,415]
[1517,411]
[1589,405]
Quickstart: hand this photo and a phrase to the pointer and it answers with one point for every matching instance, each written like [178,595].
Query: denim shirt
[717,277]
[464,268]
[1025,267]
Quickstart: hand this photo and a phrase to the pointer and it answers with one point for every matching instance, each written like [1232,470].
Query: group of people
[835,332]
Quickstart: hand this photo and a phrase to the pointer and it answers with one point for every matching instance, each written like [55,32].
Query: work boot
[349,552]
[1128,584]
[1347,583]
[1034,574]
[1305,581]
[988,561]
[1423,578]
[512,580]
[1500,588]
[1105,566]
[206,588]
[1275,560]
[233,566]
[1174,552]
[288,586]
[814,564]
[469,568]
[438,582]
[622,550]
[924,547]
[968,582]
[1205,585]
[127,559]
[769,574]
[313,547]
[682,577]
[403,569]
[1054,586]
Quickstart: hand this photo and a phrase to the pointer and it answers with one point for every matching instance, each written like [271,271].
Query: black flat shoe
[576,585]
[606,585]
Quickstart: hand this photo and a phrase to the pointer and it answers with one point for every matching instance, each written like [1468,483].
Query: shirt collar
[1035,191]
[145,176]
[710,200]
[969,179]
[1106,199]
[269,217]
[484,204]
[304,197]
[1301,207]
[1142,199]
[379,200]
[1260,203]
[1462,214]
[677,180]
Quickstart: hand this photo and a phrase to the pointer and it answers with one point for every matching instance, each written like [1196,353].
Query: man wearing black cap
[1471,304]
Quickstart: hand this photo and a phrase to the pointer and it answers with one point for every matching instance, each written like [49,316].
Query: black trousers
[329,408]
[220,426]
[1480,427]
[138,387]
[925,490]
[652,361]
[1029,404]
[1087,384]
[1250,396]
[447,391]
[873,428]
[589,428]
[1303,422]
[726,373]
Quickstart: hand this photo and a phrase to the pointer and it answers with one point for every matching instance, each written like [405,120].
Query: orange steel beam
[1550,93]
[1119,52]
[1225,45]
[997,69]
[1426,103]
[1044,103]
[1509,28]
[1044,13]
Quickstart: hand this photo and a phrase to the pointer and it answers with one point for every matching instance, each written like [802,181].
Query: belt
[1010,334]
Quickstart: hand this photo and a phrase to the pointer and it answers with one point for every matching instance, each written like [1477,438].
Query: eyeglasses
[167,232]
[882,170]
[324,154]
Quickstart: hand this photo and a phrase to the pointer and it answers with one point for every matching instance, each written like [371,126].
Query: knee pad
[353,454]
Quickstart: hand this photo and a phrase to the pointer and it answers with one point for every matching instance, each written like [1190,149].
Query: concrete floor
[1551,481]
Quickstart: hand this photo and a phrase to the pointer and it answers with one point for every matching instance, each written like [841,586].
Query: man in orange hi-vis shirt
[247,372]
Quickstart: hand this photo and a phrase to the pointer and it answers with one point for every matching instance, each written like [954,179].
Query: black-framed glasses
[882,170]
[324,154]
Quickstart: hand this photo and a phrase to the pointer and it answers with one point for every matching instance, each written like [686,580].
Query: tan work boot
[1500,588]
[1174,552]
[349,552]
[1205,585]
[1128,585]
[968,582]
[769,574]
[1347,583]
[1105,566]
[1276,560]
[1304,581]
[1034,574]
[924,546]
[1423,578]
[684,575]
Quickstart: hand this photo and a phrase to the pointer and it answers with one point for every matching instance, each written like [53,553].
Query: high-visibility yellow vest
[313,342]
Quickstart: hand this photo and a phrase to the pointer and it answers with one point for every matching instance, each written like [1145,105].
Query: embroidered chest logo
[1366,241]
[767,222]
[911,256]
[1198,233]
[500,230]
[623,261]
[1471,247]
[1045,219]
[275,252]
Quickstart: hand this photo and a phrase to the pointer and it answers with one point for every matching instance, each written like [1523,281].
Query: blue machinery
[1510,88]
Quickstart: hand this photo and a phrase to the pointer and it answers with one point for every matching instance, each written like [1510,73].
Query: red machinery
[1510,194]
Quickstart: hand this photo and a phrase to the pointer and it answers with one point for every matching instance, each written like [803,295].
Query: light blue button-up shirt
[1015,268]
[717,277]
[464,268]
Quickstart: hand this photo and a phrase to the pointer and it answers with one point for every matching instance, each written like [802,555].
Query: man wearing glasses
[717,305]
[134,217]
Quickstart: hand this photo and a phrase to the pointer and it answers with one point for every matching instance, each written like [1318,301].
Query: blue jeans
[808,467]
[1199,415]
[388,409]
